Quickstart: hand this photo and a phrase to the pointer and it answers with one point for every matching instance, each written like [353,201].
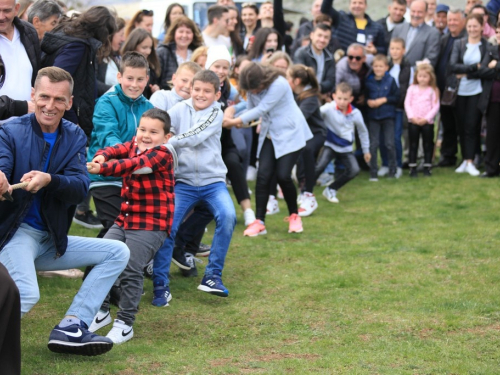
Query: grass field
[401,277]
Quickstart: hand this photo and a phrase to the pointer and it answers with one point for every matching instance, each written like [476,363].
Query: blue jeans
[398,144]
[217,200]
[32,250]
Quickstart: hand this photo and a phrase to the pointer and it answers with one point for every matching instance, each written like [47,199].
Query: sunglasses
[357,58]
[148,13]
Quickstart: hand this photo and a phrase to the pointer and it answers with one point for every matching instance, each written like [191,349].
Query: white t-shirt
[220,40]
[470,87]
[18,69]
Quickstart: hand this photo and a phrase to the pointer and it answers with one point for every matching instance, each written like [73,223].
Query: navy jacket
[23,149]
[385,88]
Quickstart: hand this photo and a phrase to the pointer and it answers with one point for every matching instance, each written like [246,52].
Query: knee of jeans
[227,219]
[29,300]
[121,252]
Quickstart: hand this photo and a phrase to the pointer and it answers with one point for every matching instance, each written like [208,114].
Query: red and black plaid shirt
[147,199]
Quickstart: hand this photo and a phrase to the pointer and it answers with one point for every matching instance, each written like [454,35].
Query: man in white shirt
[216,31]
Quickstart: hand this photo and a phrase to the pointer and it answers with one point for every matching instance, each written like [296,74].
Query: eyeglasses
[148,13]
[357,58]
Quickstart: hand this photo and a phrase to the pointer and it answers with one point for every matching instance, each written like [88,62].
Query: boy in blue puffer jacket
[382,95]
[116,118]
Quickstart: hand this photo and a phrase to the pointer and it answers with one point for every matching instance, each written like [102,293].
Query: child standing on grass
[341,119]
[382,94]
[305,86]
[182,80]
[146,213]
[422,105]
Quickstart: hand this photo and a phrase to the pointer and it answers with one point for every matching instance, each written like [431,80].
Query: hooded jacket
[197,143]
[116,118]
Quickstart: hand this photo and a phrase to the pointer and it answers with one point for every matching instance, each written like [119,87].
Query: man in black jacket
[317,56]
[449,145]
[397,10]
[20,50]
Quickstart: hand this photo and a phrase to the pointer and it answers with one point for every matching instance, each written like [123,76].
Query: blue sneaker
[213,285]
[161,296]
[77,339]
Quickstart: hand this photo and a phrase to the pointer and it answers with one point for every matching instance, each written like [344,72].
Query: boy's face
[343,99]
[379,68]
[133,81]
[221,68]
[150,134]
[203,95]
[182,82]
[396,51]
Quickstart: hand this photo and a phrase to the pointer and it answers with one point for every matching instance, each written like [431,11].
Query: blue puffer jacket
[23,149]
[116,118]
[384,88]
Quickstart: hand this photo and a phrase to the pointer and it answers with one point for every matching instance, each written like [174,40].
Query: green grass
[401,277]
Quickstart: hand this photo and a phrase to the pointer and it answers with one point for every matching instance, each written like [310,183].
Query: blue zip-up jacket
[384,88]
[23,149]
[116,118]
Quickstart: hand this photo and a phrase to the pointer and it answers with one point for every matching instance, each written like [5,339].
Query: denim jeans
[398,143]
[217,200]
[32,250]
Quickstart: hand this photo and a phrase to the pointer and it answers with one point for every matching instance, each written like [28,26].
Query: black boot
[427,172]
[413,172]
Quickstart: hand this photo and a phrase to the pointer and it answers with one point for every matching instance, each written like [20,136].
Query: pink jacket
[421,103]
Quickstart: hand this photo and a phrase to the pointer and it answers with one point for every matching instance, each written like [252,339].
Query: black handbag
[450,95]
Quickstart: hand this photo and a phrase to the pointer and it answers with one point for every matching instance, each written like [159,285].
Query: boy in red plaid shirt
[146,214]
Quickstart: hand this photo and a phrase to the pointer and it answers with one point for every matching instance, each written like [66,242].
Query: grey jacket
[197,142]
[425,44]
[282,119]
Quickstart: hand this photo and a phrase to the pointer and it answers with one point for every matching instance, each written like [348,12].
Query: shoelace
[191,259]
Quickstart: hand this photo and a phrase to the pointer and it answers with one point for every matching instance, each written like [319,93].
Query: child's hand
[422,121]
[230,112]
[367,157]
[93,168]
[372,103]
[99,159]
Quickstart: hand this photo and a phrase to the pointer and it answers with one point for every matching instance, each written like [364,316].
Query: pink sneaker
[295,224]
[255,229]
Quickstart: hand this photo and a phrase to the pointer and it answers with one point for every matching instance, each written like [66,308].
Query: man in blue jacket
[48,153]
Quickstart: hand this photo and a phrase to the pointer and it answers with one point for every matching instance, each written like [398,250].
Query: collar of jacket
[124,98]
[37,129]
[328,54]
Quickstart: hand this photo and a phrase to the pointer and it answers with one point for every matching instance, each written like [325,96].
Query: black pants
[492,139]
[307,161]
[282,168]
[236,174]
[468,124]
[348,160]
[10,325]
[107,200]
[427,132]
[191,231]
[449,144]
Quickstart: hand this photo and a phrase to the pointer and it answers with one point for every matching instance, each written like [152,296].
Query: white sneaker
[120,332]
[399,172]
[101,319]
[251,173]
[471,169]
[299,198]
[308,205]
[461,168]
[249,216]
[330,195]
[325,179]
[373,179]
[383,171]
[272,206]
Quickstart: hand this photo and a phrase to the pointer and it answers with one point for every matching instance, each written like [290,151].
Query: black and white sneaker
[77,339]
[191,260]
[120,332]
[87,220]
[179,259]
[101,319]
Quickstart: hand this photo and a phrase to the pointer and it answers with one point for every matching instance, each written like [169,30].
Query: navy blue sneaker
[213,285]
[161,296]
[77,339]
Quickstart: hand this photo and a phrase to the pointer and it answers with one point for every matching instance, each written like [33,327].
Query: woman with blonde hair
[143,19]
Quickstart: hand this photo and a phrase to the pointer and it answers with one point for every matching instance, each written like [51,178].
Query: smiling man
[34,226]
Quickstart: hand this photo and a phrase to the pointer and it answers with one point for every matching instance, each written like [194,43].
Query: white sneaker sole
[216,292]
[120,338]
[87,225]
[255,235]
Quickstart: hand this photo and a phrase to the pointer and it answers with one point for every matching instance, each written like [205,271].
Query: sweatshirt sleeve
[273,95]
[118,151]
[209,125]
[409,103]
[362,132]
[153,160]
[435,107]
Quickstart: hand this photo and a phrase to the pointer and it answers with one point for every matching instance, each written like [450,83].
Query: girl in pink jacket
[421,106]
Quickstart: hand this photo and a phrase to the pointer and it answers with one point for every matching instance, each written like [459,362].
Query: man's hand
[370,49]
[37,180]
[4,186]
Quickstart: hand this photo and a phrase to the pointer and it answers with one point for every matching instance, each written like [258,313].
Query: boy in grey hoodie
[200,179]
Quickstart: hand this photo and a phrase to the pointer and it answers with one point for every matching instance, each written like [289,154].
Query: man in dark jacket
[20,50]
[356,27]
[449,145]
[396,15]
[317,56]
[34,224]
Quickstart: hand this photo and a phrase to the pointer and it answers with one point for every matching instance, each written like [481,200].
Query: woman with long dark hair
[267,41]
[182,38]
[234,32]
[174,11]
[250,22]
